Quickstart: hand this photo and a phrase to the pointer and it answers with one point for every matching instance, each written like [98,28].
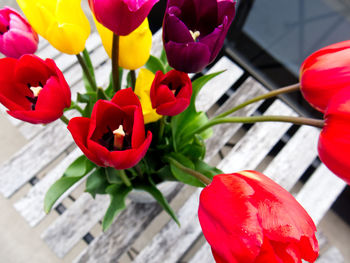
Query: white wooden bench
[233,147]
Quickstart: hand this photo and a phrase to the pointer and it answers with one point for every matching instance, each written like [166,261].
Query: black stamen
[177,90]
[28,85]
[41,85]
[33,101]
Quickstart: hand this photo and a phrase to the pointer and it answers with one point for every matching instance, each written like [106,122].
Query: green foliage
[76,171]
[178,173]
[97,182]
[206,169]
[151,188]
[154,64]
[117,193]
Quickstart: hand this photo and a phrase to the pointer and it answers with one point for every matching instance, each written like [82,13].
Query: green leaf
[206,169]
[113,176]
[165,174]
[128,80]
[80,167]
[151,188]
[85,98]
[101,95]
[163,57]
[58,189]
[118,193]
[88,63]
[199,83]
[154,64]
[109,91]
[180,174]
[97,182]
[196,150]
[195,122]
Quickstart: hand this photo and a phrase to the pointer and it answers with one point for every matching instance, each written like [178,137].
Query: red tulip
[32,89]
[246,217]
[121,16]
[334,140]
[171,92]
[114,136]
[16,35]
[324,73]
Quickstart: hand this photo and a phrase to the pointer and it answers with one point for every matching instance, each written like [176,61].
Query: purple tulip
[121,16]
[16,35]
[194,31]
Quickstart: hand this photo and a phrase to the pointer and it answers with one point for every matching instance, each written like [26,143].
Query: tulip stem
[64,119]
[133,79]
[86,72]
[270,94]
[201,177]
[124,177]
[161,127]
[264,118]
[115,63]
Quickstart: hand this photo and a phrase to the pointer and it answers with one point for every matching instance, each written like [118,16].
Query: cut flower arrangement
[150,131]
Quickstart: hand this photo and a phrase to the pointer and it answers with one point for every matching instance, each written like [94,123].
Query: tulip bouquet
[150,131]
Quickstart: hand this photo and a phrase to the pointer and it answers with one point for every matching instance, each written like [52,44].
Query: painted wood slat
[69,228]
[295,157]
[171,242]
[33,157]
[215,88]
[257,142]
[222,133]
[110,246]
[203,255]
[320,192]
[31,205]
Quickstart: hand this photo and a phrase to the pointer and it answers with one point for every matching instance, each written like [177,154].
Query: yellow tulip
[142,90]
[62,22]
[134,49]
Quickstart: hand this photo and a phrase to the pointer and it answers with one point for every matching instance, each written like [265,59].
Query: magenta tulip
[16,35]
[121,16]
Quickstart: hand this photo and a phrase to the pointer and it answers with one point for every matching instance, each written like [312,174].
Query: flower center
[195,35]
[116,140]
[36,91]
[119,135]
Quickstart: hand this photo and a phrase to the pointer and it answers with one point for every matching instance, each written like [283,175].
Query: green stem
[264,118]
[64,119]
[115,63]
[86,72]
[161,128]
[187,170]
[77,107]
[88,62]
[270,94]
[133,79]
[124,177]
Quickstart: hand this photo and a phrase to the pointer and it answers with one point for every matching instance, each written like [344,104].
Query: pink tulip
[121,16]
[16,35]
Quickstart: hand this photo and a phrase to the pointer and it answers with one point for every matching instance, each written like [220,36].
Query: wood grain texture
[31,205]
[257,142]
[171,242]
[296,156]
[110,246]
[320,192]
[216,87]
[73,224]
[332,255]
[203,255]
[222,133]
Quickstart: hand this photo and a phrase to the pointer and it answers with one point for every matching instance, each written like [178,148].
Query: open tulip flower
[33,90]
[62,22]
[334,140]
[121,16]
[194,32]
[17,37]
[171,92]
[324,73]
[114,136]
[246,217]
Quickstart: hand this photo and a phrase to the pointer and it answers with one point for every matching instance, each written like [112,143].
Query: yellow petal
[134,49]
[142,90]
[61,22]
